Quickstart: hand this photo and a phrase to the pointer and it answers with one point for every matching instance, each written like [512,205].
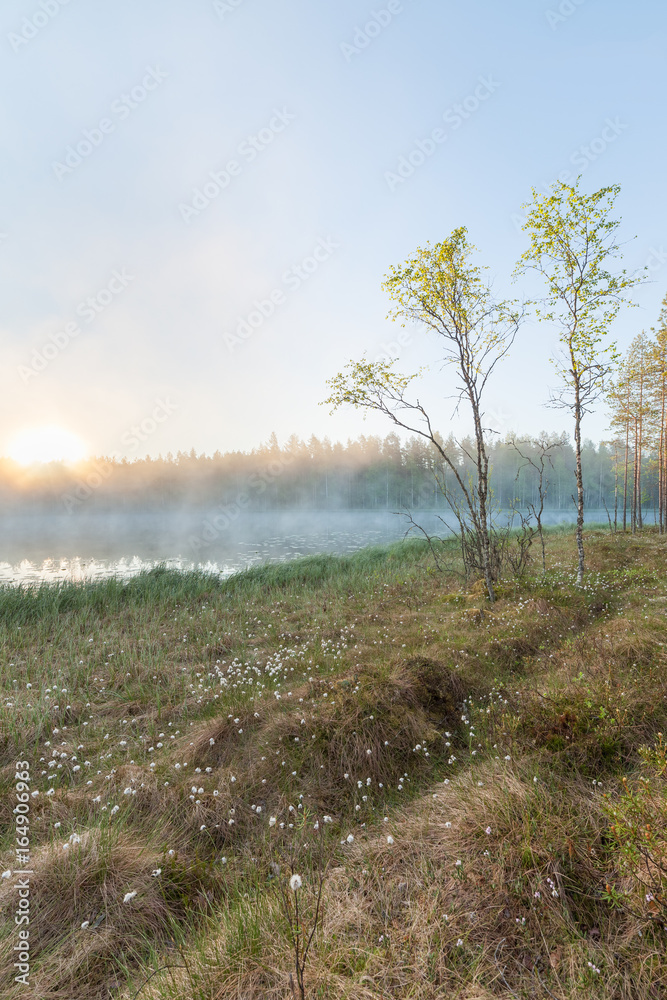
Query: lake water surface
[38,548]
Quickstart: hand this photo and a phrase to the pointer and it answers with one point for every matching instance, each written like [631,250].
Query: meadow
[473,797]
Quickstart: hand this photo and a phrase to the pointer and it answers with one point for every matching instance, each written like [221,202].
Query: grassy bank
[507,828]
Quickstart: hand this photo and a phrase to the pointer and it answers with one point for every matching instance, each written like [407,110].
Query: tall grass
[468,749]
[160,586]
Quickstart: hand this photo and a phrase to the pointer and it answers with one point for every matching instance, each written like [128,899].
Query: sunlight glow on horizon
[40,445]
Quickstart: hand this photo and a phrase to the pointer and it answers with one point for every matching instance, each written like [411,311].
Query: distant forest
[369,473]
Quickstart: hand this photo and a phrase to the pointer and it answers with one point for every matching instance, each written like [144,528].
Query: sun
[46,444]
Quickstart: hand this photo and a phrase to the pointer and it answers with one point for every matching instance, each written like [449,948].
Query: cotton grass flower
[295,883]
[128,896]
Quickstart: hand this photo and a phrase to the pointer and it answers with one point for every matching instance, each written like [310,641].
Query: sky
[200,200]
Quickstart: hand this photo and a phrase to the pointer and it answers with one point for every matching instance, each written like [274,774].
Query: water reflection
[35,550]
[237,554]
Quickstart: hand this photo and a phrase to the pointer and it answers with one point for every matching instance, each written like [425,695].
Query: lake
[38,548]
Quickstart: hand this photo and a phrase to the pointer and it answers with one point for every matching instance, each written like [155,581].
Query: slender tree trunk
[640,517]
[640,442]
[625,482]
[661,452]
[633,517]
[580,484]
[482,493]
[664,473]
[615,488]
[539,517]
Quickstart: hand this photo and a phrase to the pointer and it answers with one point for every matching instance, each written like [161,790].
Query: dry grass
[88,882]
[485,736]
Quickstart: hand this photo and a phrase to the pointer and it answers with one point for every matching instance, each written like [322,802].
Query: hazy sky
[169,165]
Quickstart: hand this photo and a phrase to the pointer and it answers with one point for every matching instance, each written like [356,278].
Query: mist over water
[91,546]
[227,511]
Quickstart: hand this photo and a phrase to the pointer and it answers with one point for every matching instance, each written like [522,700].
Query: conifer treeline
[638,402]
[368,473]
[627,475]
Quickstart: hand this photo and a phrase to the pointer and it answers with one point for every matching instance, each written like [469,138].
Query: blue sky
[127,267]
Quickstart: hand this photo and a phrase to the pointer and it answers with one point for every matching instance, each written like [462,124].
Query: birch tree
[442,290]
[573,243]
